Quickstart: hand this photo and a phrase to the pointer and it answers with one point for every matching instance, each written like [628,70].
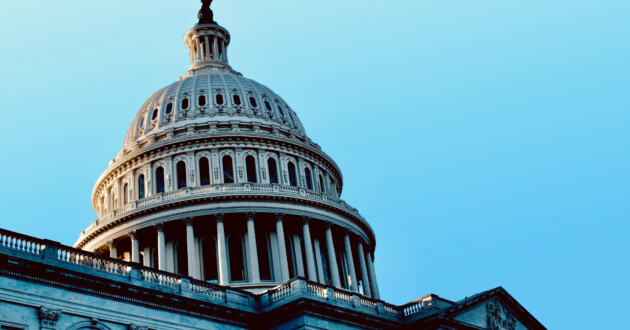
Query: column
[364,273]
[161,242]
[254,271]
[190,248]
[135,247]
[318,261]
[207,46]
[308,250]
[112,249]
[350,261]
[215,48]
[370,266]
[146,262]
[198,57]
[282,249]
[223,268]
[332,259]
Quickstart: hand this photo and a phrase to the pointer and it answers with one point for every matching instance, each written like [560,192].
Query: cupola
[207,41]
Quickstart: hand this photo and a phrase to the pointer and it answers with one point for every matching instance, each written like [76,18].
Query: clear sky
[487,142]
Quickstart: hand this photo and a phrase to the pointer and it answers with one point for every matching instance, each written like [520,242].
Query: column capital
[133,234]
[111,244]
[250,215]
[306,219]
[189,221]
[279,216]
[159,227]
[219,217]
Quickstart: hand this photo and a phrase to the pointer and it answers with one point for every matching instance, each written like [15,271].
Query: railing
[415,307]
[279,293]
[207,290]
[21,243]
[160,278]
[343,297]
[367,303]
[318,290]
[93,261]
[247,188]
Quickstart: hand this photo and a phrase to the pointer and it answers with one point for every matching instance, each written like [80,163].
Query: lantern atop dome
[207,42]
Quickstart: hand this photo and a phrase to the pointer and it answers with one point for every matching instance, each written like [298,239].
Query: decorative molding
[48,317]
[498,317]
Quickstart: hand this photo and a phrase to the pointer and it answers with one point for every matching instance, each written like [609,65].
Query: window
[169,108]
[185,103]
[267,105]
[204,171]
[236,258]
[154,115]
[181,174]
[141,121]
[292,178]
[252,102]
[237,99]
[228,170]
[202,100]
[219,99]
[280,109]
[321,183]
[126,194]
[250,164]
[141,186]
[159,180]
[273,170]
[264,257]
[309,180]
[209,255]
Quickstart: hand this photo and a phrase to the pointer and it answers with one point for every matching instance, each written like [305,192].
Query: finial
[205,14]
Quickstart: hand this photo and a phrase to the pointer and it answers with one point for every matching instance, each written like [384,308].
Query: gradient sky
[487,142]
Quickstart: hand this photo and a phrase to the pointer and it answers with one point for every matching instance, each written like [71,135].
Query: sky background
[487,142]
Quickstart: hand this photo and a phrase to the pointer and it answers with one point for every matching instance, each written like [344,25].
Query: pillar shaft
[364,272]
[308,250]
[190,249]
[282,249]
[318,261]
[161,241]
[253,249]
[221,246]
[350,263]
[135,247]
[373,284]
[332,259]
[113,253]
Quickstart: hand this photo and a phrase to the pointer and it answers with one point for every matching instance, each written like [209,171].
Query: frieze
[498,317]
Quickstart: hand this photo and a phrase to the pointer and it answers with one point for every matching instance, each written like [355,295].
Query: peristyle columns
[370,266]
[253,252]
[113,253]
[282,249]
[190,248]
[221,247]
[332,259]
[135,247]
[364,272]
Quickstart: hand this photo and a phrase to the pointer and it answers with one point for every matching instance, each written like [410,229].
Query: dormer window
[252,102]
[185,103]
[202,100]
[219,99]
[169,108]
[267,105]
[155,114]
[237,99]
[280,109]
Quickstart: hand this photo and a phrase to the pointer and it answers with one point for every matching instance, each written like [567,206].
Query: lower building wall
[313,323]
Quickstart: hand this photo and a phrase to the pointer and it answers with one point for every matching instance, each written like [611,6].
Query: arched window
[252,102]
[141,186]
[280,109]
[169,108]
[112,199]
[141,121]
[185,103]
[237,99]
[209,255]
[219,99]
[126,194]
[154,115]
[159,180]
[309,180]
[267,105]
[321,183]
[264,257]
[292,176]
[236,258]
[250,164]
[204,171]
[273,170]
[228,170]
[202,100]
[181,174]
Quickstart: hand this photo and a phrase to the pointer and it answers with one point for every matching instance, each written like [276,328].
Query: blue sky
[486,142]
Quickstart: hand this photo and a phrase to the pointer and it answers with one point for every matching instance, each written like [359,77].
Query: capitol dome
[217,180]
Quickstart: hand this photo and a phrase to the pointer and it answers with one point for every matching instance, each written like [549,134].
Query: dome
[211,97]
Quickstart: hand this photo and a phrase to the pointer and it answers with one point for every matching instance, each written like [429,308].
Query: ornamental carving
[499,318]
[48,317]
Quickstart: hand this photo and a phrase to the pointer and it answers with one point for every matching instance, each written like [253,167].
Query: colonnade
[308,259]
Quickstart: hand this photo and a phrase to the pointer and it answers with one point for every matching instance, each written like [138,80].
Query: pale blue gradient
[487,142]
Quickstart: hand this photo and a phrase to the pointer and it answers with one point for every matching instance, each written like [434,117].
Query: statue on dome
[205,14]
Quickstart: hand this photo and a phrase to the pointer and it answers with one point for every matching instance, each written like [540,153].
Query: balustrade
[160,278]
[93,261]
[20,243]
[279,293]
[318,290]
[207,290]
